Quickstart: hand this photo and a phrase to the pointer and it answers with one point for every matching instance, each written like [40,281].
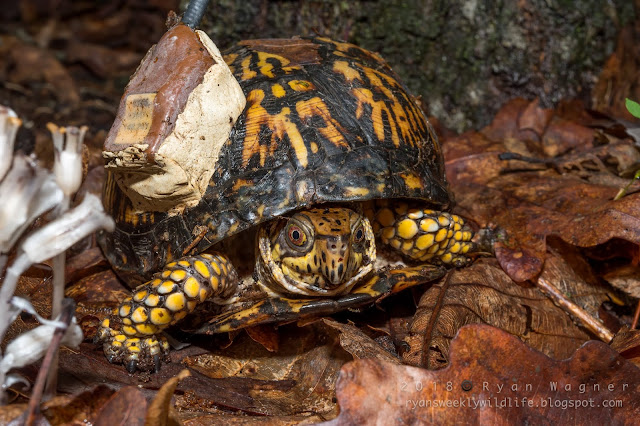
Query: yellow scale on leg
[423,234]
[170,296]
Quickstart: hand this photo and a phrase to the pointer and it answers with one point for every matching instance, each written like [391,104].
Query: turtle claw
[132,366]
[145,354]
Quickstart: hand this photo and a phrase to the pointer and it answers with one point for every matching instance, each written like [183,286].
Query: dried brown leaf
[525,207]
[359,344]
[161,411]
[484,294]
[627,343]
[127,406]
[493,378]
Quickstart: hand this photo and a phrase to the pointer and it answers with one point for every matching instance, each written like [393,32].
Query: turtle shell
[325,121]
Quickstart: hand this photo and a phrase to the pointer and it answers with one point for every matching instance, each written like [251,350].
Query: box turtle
[326,191]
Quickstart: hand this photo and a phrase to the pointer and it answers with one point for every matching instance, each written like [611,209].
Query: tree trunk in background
[464,57]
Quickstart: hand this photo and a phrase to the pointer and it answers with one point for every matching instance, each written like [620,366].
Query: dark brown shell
[325,121]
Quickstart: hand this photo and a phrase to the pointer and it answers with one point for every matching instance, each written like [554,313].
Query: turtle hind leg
[422,234]
[132,335]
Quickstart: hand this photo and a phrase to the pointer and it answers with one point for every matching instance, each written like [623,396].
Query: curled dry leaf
[493,378]
[161,411]
[484,294]
[529,204]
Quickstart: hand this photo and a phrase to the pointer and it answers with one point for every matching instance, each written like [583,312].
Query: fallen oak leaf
[493,378]
[483,293]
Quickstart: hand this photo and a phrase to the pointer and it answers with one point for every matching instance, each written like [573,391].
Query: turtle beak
[335,258]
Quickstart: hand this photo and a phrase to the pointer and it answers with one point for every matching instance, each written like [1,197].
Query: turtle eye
[358,235]
[296,235]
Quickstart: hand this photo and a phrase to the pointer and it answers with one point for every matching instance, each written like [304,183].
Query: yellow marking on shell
[407,229]
[156,282]
[247,73]
[316,108]
[412,181]
[166,287]
[223,267]
[124,310]
[443,221]
[207,256]
[165,274]
[178,275]
[128,330]
[405,120]
[171,265]
[160,316]
[127,321]
[278,91]
[349,73]
[353,191]
[184,263]
[140,295]
[202,269]
[175,302]
[446,258]
[424,241]
[314,147]
[441,235]
[386,217]
[146,329]
[455,248]
[266,68]
[279,124]
[230,58]
[191,287]
[388,233]
[301,85]
[152,300]
[139,315]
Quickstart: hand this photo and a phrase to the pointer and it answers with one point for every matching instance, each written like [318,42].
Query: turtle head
[316,252]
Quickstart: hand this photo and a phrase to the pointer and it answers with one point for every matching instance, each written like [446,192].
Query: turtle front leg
[422,234]
[132,335]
